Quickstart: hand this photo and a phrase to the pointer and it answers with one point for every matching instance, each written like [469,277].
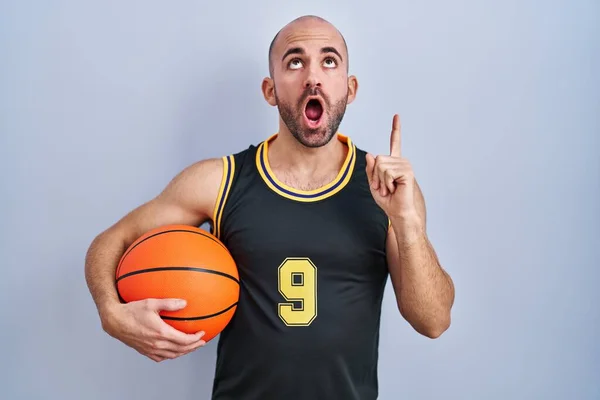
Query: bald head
[299,24]
[309,82]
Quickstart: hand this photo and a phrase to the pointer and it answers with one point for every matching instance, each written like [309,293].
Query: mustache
[313,91]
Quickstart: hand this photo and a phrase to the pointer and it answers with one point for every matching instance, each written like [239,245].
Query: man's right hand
[139,325]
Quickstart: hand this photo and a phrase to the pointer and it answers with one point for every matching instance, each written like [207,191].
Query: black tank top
[313,269]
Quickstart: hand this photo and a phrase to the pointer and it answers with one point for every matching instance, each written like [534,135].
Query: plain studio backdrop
[102,103]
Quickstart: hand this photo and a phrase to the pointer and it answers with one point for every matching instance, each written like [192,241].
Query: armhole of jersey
[226,180]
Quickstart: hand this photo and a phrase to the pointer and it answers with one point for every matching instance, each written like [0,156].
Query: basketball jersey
[312,267]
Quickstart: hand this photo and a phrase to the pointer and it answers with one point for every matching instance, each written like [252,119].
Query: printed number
[298,286]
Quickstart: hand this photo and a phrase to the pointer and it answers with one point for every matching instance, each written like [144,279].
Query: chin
[314,137]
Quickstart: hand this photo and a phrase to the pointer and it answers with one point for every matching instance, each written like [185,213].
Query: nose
[312,78]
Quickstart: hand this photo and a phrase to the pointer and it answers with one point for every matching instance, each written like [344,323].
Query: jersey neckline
[328,190]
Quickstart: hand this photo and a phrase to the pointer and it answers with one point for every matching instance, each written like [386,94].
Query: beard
[317,137]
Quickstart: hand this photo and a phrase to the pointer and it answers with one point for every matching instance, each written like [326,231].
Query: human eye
[330,62]
[295,63]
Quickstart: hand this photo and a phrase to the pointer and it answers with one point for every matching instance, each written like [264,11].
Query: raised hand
[391,178]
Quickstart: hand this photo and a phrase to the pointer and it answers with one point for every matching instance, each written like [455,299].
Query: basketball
[183,262]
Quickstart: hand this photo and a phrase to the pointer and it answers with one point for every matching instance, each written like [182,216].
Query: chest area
[344,237]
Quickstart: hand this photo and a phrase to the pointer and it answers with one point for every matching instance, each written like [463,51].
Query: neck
[287,153]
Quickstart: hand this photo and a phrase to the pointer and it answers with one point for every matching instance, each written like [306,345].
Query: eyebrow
[299,50]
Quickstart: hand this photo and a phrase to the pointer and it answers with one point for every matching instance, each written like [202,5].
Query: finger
[155,358]
[169,351]
[371,175]
[166,331]
[389,173]
[164,347]
[166,354]
[395,138]
[384,188]
[150,355]
[166,304]
[192,347]
[380,173]
[390,177]
[372,171]
[375,185]
[178,337]
[175,337]
[370,165]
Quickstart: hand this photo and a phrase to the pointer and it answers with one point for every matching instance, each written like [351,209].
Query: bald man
[315,225]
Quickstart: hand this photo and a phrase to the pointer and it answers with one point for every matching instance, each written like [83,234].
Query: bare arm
[424,291]
[188,199]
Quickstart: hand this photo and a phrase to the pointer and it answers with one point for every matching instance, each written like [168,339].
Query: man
[315,225]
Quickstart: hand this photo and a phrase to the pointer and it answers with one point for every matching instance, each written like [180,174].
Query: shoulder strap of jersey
[225,187]
[232,165]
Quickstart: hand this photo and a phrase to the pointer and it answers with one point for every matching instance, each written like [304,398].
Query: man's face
[311,85]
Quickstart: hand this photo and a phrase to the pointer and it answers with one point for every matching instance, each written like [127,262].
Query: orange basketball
[183,262]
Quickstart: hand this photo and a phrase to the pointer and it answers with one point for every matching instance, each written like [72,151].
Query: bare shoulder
[196,186]
[193,192]
[188,199]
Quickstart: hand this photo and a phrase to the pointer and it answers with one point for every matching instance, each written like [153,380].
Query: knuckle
[156,345]
[147,304]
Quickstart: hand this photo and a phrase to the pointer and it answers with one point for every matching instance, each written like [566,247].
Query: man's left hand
[391,178]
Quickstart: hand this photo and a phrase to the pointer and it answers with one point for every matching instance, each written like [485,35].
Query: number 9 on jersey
[297,283]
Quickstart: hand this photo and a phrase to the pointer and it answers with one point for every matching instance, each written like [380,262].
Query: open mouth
[313,111]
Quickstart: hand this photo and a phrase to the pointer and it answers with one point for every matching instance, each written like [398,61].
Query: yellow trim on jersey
[227,178]
[340,181]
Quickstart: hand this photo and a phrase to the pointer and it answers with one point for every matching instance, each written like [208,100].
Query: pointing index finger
[395,142]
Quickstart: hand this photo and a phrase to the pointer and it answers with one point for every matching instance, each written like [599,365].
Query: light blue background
[102,103]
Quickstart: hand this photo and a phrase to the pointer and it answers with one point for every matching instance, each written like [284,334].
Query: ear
[268,89]
[352,88]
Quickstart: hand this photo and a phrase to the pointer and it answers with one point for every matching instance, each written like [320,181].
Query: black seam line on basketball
[193,269]
[169,231]
[201,317]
